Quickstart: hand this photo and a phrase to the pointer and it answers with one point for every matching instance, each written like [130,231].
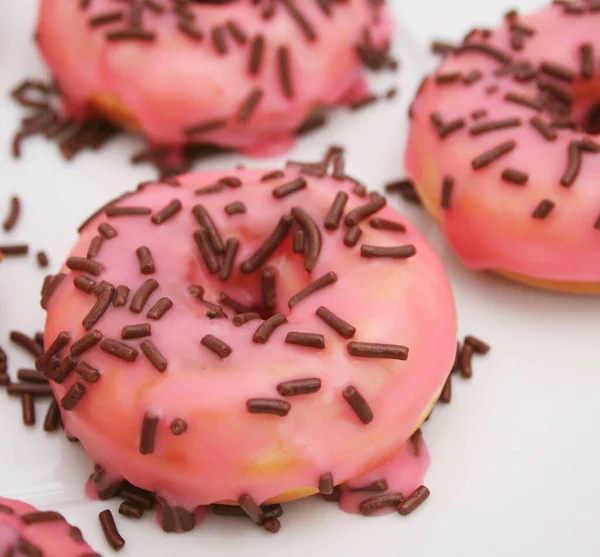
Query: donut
[502,148]
[26,531]
[239,74]
[247,336]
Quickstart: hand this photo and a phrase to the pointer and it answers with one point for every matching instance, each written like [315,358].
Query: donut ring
[168,385]
[26,531]
[502,149]
[239,75]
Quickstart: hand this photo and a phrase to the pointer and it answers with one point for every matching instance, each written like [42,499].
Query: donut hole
[591,121]
[245,292]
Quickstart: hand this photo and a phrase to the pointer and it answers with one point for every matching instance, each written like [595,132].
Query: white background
[515,457]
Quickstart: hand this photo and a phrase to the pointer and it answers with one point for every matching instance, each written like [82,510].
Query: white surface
[514,457]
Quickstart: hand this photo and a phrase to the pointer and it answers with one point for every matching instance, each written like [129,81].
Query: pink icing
[404,473]
[176,82]
[53,538]
[490,224]
[226,451]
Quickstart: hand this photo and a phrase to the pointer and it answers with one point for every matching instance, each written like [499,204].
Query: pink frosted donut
[26,531]
[502,148]
[169,377]
[237,74]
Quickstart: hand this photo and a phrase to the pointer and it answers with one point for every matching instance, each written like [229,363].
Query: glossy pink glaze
[53,538]
[176,82]
[226,451]
[489,224]
[404,473]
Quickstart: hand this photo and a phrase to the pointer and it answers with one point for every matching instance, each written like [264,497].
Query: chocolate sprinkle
[256,54]
[547,132]
[34,389]
[478,345]
[13,215]
[94,247]
[86,342]
[269,246]
[231,248]
[216,345]
[299,387]
[371,506]
[136,331]
[87,372]
[494,125]
[313,235]
[285,77]
[167,212]
[291,187]
[113,211]
[269,288]
[148,433]
[178,426]
[266,329]
[523,100]
[158,310]
[377,350]
[326,484]
[10,250]
[119,350]
[352,236]
[358,404]
[52,419]
[154,355]
[243,318]
[84,284]
[61,340]
[42,259]
[99,309]
[299,243]
[145,259]
[587,61]
[27,409]
[447,189]
[73,396]
[121,295]
[313,287]
[142,295]
[131,510]
[114,539]
[235,208]
[493,154]
[310,340]
[558,71]
[385,224]
[106,231]
[413,501]
[465,361]
[268,406]
[202,239]
[26,342]
[377,485]
[336,323]
[85,265]
[543,209]
[515,176]
[251,508]
[249,105]
[444,129]
[394,252]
